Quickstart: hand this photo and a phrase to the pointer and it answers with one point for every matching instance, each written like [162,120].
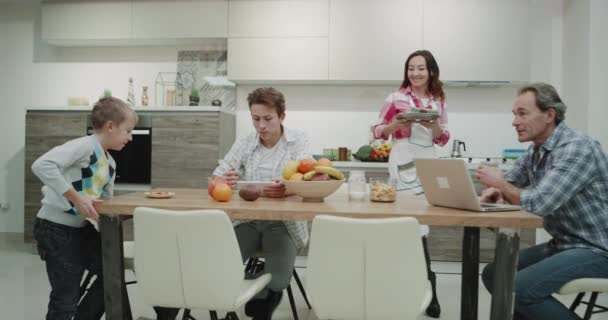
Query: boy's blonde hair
[110,109]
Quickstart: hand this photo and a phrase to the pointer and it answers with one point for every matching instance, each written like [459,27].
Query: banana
[308,175]
[333,172]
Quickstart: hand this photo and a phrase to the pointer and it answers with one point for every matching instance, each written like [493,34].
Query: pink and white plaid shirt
[401,101]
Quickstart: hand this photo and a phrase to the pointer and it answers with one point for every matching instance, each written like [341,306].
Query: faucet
[456,148]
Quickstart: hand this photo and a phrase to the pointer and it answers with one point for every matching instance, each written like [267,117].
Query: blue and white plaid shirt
[565,181]
[246,155]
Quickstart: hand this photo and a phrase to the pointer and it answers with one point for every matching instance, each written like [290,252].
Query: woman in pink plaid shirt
[422,89]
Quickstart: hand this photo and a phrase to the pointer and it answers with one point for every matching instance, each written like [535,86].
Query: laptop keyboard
[489,205]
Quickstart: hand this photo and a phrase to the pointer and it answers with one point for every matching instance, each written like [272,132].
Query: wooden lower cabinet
[43,131]
[186,147]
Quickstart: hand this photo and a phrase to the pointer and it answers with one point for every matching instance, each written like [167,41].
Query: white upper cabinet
[113,22]
[278,40]
[370,40]
[179,19]
[277,59]
[278,18]
[484,40]
[92,22]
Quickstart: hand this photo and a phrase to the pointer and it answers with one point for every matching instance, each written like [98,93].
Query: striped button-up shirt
[565,181]
[246,156]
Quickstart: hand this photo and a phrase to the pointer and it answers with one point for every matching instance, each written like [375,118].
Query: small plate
[159,194]
[418,116]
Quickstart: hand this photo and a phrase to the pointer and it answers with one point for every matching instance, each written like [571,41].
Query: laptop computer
[447,183]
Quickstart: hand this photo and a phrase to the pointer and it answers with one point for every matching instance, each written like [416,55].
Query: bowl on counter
[313,191]
[319,156]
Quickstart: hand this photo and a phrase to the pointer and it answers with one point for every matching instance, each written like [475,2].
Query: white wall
[585,67]
[13,22]
[576,63]
[598,95]
[546,41]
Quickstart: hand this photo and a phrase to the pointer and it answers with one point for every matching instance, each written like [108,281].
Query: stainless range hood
[480,84]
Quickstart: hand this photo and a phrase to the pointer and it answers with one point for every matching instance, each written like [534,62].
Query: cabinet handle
[141,132]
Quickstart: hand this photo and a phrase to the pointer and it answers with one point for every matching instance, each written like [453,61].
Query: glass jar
[382,189]
[357,185]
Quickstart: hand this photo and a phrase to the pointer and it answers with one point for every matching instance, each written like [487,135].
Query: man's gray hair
[546,98]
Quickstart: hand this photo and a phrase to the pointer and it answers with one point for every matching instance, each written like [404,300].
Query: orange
[212,182]
[222,192]
[324,162]
[296,177]
[307,165]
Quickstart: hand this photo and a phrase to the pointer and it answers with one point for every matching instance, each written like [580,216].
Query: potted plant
[194,97]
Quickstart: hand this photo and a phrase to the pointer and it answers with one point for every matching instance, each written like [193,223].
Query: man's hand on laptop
[491,195]
[489,176]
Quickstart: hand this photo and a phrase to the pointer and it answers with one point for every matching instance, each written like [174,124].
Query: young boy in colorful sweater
[75,175]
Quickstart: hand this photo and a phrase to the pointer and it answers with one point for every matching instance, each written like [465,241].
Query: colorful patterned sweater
[80,163]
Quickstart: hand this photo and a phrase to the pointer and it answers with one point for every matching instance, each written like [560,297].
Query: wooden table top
[338,204]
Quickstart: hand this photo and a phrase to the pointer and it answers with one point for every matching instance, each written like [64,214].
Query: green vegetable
[364,152]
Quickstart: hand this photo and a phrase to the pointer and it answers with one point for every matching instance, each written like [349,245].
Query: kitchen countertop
[136,108]
[360,165]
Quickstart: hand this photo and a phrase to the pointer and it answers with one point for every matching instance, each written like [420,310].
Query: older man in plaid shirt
[564,179]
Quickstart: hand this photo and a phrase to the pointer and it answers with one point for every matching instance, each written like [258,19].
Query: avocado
[250,193]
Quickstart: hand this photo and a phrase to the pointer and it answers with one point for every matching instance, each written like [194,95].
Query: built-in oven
[134,161]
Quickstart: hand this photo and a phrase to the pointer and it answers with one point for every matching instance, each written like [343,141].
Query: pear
[290,168]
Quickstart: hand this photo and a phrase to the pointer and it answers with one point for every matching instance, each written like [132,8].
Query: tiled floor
[24,289]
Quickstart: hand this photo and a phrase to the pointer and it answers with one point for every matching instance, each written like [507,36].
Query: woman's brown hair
[435,86]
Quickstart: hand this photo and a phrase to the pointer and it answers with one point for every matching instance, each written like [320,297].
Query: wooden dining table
[507,225]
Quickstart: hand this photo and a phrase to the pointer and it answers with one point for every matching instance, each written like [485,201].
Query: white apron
[401,161]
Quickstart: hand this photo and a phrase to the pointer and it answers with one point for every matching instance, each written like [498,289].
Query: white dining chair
[582,286]
[190,259]
[367,269]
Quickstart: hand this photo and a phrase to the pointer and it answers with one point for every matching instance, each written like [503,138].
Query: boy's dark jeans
[68,252]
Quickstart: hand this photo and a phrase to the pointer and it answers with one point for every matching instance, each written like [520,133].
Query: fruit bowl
[313,191]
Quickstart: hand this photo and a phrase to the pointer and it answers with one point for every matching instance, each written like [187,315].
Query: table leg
[505,264]
[469,292]
[115,298]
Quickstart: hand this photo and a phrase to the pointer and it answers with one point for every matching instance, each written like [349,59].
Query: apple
[213,181]
[321,177]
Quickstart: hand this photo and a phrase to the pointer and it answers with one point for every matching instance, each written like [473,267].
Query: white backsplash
[481,117]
